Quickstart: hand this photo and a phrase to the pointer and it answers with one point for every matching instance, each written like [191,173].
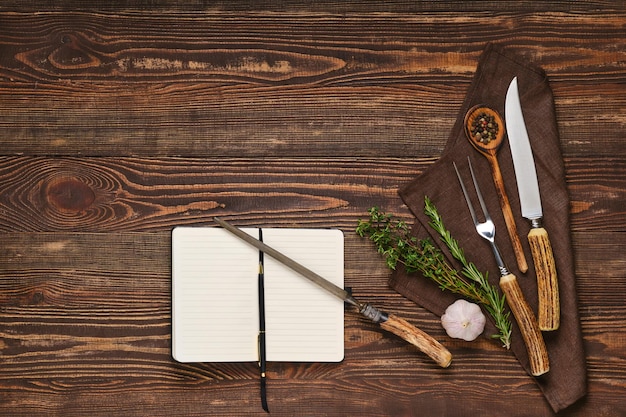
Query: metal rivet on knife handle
[389,322]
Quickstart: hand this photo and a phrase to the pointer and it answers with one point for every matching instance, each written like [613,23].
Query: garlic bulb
[463,320]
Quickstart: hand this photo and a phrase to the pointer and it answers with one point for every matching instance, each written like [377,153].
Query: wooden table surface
[122,120]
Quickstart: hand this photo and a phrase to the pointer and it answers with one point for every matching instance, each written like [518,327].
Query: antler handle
[402,328]
[535,345]
[547,280]
[419,338]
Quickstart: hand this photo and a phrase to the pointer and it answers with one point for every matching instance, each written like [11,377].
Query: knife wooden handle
[422,340]
[509,220]
[535,345]
[547,280]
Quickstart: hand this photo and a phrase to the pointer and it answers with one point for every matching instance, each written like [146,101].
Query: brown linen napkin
[566,381]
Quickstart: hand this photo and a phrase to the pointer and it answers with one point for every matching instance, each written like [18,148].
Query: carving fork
[535,345]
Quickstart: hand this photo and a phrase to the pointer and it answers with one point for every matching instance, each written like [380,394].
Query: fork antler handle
[535,345]
[547,280]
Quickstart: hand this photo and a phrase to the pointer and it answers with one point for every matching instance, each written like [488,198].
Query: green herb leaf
[395,243]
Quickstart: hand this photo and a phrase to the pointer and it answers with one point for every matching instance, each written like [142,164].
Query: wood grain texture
[134,194]
[120,120]
[110,83]
[304,6]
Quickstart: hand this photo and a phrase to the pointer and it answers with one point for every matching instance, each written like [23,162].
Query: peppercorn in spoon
[484,129]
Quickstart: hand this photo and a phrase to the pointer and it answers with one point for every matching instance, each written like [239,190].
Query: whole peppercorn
[484,128]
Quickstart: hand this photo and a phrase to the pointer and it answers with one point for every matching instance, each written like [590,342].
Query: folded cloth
[566,382]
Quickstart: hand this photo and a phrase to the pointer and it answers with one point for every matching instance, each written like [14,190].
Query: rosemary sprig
[495,304]
[396,244]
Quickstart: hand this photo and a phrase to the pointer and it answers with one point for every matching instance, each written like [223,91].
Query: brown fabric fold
[566,382]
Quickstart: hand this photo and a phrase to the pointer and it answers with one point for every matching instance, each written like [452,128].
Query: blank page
[215,296]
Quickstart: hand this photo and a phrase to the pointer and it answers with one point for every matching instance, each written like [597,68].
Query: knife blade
[530,201]
[389,322]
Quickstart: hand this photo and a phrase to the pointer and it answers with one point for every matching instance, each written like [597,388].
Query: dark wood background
[120,120]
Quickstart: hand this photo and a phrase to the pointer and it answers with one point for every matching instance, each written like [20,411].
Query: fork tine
[480,195]
[467,199]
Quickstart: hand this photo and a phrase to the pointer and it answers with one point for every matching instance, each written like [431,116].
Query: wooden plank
[304,6]
[223,84]
[286,398]
[107,194]
[133,194]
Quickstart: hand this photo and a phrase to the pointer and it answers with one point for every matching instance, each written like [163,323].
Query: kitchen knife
[530,201]
[389,322]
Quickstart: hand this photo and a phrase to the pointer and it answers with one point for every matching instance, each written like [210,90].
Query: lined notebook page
[215,296]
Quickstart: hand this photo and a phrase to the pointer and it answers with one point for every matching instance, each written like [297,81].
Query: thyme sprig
[397,245]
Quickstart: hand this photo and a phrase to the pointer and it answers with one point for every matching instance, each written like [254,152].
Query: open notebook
[215,309]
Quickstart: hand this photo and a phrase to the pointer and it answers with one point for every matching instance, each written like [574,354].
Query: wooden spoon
[484,129]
